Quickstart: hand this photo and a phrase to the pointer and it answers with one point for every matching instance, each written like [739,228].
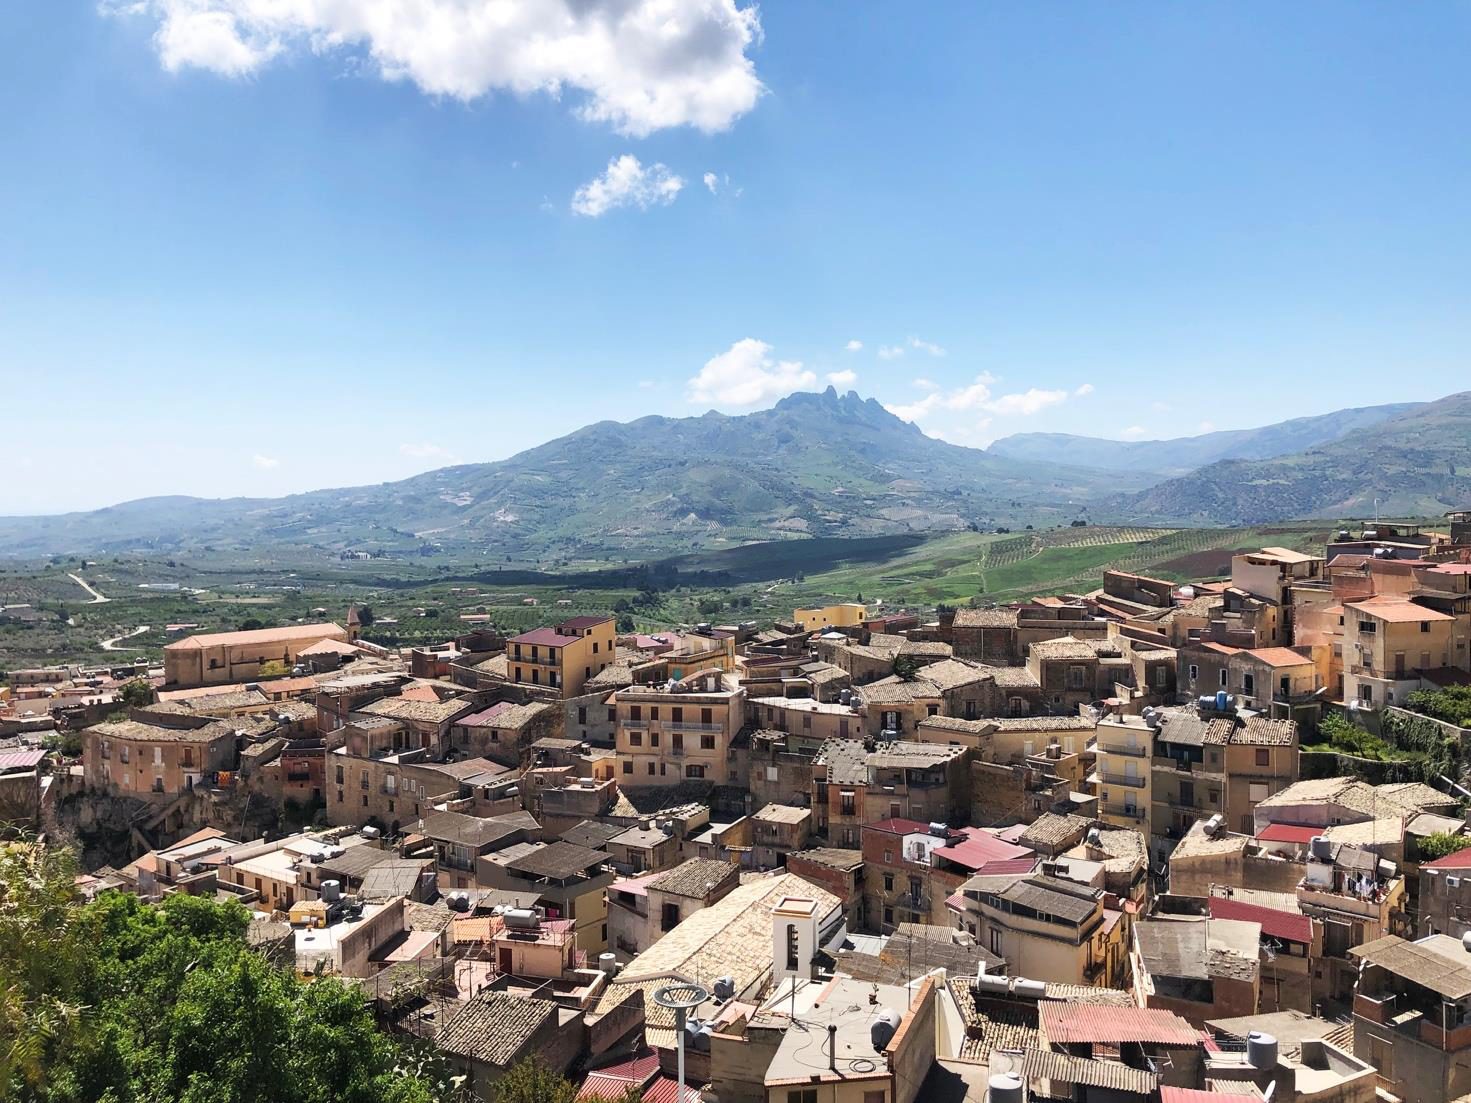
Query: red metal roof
[980,847]
[548,637]
[1092,1024]
[1168,1094]
[665,1089]
[1287,833]
[1277,924]
[1461,859]
[612,1081]
[1008,866]
[21,760]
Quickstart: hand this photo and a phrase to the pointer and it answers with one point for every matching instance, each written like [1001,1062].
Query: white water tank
[1005,1088]
[884,1026]
[1261,1050]
[607,964]
[331,891]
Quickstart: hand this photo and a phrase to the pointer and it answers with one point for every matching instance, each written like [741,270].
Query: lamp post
[681,998]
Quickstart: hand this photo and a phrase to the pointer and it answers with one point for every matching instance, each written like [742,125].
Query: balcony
[1122,779]
[1133,750]
[1123,812]
[692,726]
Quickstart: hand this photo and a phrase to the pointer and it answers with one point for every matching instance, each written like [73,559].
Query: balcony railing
[1121,779]
[1137,815]
[1133,750]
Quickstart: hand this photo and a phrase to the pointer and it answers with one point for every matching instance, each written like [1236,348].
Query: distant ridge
[1183,454]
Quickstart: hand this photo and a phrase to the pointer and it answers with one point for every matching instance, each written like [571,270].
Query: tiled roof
[504,714]
[836,858]
[1053,829]
[395,877]
[407,709]
[1064,647]
[1274,923]
[1278,656]
[1014,677]
[1258,731]
[472,831]
[136,730]
[558,860]
[258,636]
[694,878]
[495,1027]
[1396,611]
[545,637]
[1419,962]
[985,618]
[1072,1024]
[782,813]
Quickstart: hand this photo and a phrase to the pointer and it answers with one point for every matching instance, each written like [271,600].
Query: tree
[626,623]
[904,667]
[136,693]
[530,1081]
[252,624]
[365,615]
[1438,844]
[271,668]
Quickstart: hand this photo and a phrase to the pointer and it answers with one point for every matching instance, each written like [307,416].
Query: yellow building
[848,614]
[222,658]
[562,657]
[1386,642]
[669,732]
[1123,748]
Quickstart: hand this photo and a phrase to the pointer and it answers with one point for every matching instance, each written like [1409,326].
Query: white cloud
[637,65]
[646,384]
[1207,427]
[1084,391]
[853,345]
[626,183]
[1026,403]
[926,384]
[265,463]
[841,378]
[425,450]
[1135,432]
[745,374]
[712,182]
[1160,407]
[926,346]
[890,352]
[916,410]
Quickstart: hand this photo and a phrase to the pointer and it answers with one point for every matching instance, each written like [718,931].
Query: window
[888,856]
[677,741]
[694,771]
[1194,673]
[1258,791]
[707,716]
[849,802]
[654,713]
[651,769]
[802,1095]
[635,712]
[1223,677]
[339,775]
[1366,693]
[995,942]
[1263,757]
[126,752]
[594,647]
[1425,626]
[677,714]
[653,739]
[874,1097]
[627,767]
[635,739]
[707,742]
[1248,684]
[1075,676]
[888,882]
[1367,627]
[582,714]
[793,946]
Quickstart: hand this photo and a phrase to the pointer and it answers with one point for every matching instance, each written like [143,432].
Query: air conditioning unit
[1452,882]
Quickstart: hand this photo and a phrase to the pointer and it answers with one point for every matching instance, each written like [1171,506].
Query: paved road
[112,644]
[97,598]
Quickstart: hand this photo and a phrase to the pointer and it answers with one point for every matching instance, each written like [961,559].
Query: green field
[418,600]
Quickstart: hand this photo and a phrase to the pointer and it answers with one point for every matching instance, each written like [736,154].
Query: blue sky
[240,256]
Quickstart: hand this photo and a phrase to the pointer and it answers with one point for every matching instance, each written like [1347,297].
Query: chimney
[832,1047]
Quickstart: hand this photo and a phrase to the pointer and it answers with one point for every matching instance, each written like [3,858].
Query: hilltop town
[1158,840]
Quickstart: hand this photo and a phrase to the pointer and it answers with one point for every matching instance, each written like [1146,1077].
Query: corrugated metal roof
[1275,924]
[21,760]
[1041,1064]
[1287,833]
[1069,1024]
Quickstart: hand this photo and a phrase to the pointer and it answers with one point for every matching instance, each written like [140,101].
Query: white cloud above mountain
[637,65]
[746,374]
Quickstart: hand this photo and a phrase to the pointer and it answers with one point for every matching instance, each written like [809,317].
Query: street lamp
[681,998]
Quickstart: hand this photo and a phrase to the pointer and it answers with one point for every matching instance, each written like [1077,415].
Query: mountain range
[815,464]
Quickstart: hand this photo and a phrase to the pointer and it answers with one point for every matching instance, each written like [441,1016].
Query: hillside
[1416,463]
[1180,455]
[815,464]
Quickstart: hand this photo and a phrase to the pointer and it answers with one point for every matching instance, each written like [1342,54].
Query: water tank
[992,982]
[889,733]
[1095,837]
[884,1025]
[1032,989]
[1005,1088]
[458,901]
[1466,942]
[1223,700]
[940,830]
[521,919]
[1214,824]
[370,833]
[845,696]
[608,964]
[1206,703]
[724,988]
[331,891]
[1321,848]
[1261,1050]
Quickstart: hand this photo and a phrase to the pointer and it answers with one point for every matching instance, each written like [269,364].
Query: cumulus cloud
[1135,432]
[890,352]
[853,345]
[425,450]
[1207,427]
[917,410]
[627,183]
[841,378]
[745,374]
[265,463]
[1084,391]
[926,384]
[926,346]
[712,182]
[637,65]
[1028,402]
